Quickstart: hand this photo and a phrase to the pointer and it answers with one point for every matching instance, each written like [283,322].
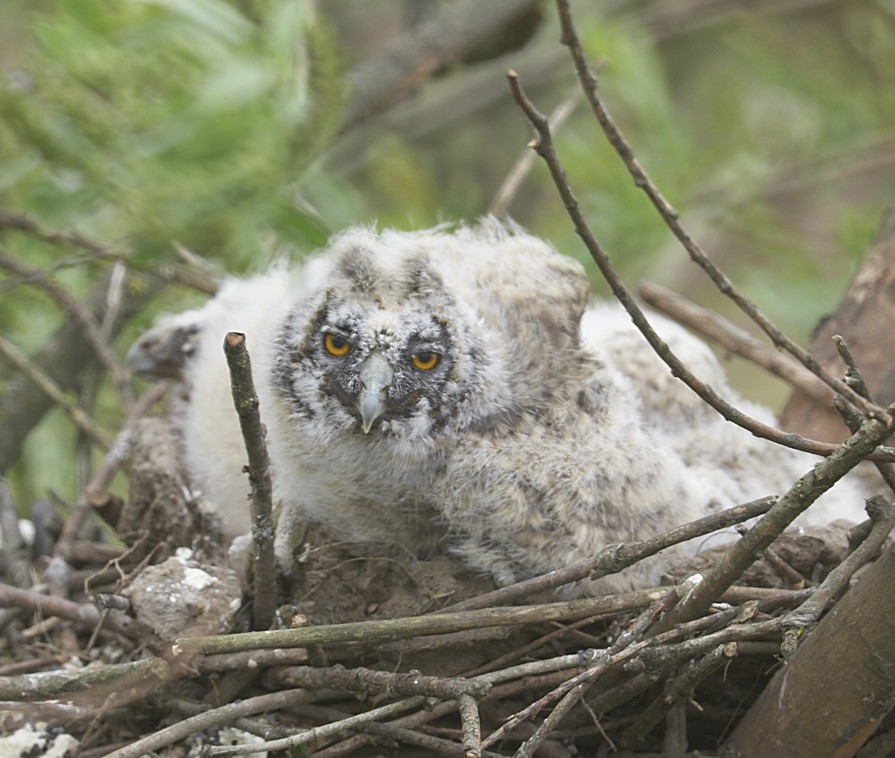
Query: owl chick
[451,390]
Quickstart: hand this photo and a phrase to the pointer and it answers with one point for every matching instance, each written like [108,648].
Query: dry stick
[53,685]
[399,628]
[81,613]
[543,145]
[662,648]
[569,38]
[368,680]
[856,380]
[570,700]
[93,332]
[412,626]
[435,745]
[258,727]
[245,399]
[676,690]
[114,460]
[739,342]
[882,514]
[209,719]
[632,633]
[471,726]
[786,572]
[55,393]
[614,558]
[320,732]
[539,642]
[500,203]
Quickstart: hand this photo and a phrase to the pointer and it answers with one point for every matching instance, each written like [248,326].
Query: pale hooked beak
[375,378]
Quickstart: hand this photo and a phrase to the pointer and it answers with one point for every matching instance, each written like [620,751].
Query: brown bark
[830,697]
[864,319]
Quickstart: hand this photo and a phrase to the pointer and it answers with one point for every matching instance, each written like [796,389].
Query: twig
[805,491]
[614,558]
[93,332]
[632,634]
[569,38]
[319,732]
[569,701]
[24,223]
[52,685]
[855,379]
[55,393]
[471,726]
[94,492]
[397,628]
[368,680]
[245,400]
[500,203]
[882,514]
[543,145]
[739,342]
[82,613]
[253,659]
[675,690]
[392,730]
[783,569]
[209,719]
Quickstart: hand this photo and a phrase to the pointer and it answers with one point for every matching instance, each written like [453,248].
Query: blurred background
[194,138]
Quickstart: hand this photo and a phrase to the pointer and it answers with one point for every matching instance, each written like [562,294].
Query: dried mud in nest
[164,583]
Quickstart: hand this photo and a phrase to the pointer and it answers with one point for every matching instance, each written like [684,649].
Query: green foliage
[214,124]
[159,120]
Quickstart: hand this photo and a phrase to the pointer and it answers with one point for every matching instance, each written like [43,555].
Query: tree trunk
[865,319]
[831,696]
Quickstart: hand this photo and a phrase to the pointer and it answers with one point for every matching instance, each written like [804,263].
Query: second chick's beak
[375,377]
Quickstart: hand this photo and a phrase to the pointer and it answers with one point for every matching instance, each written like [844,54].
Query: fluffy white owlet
[453,391]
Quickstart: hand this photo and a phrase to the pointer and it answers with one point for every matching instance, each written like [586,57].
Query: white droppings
[197,579]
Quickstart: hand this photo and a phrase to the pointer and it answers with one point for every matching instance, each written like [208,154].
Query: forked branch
[543,145]
[670,217]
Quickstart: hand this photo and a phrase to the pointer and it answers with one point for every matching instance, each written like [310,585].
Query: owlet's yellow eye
[425,360]
[336,345]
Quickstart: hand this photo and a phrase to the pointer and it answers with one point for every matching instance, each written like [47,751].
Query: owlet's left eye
[425,360]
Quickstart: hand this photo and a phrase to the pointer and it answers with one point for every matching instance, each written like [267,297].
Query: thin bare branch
[58,684]
[216,717]
[502,199]
[245,400]
[82,315]
[742,554]
[614,558]
[671,218]
[739,342]
[95,490]
[55,393]
[317,733]
[543,145]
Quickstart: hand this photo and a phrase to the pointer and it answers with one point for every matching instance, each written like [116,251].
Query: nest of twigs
[146,648]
